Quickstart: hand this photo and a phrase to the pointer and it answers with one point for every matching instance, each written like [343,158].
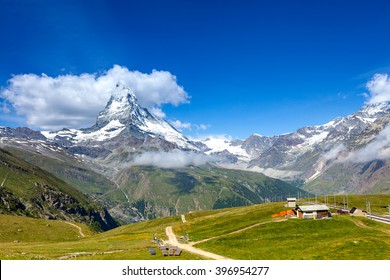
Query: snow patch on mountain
[375,109]
[316,138]
[220,144]
[65,133]
[165,130]
[111,130]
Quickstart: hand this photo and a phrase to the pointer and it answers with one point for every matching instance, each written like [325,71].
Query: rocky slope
[30,191]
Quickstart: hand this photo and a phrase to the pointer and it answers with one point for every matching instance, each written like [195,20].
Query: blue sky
[266,67]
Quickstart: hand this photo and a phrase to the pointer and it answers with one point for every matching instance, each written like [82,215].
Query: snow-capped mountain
[308,152]
[138,165]
[124,130]
[123,117]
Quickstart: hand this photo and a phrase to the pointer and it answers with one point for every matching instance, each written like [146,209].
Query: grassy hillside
[29,238]
[159,192]
[148,192]
[342,237]
[239,233]
[370,177]
[20,229]
[339,238]
[69,169]
[30,191]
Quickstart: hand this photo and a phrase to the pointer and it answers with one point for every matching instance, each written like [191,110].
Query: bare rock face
[55,204]
[21,133]
[52,203]
[9,203]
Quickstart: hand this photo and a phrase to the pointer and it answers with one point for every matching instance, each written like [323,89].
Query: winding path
[363,225]
[188,247]
[76,226]
[237,231]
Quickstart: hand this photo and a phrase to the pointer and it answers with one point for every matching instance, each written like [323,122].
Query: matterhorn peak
[122,107]
[124,117]
[121,92]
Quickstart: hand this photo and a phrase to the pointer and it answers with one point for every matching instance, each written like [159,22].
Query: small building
[291,202]
[356,212]
[315,211]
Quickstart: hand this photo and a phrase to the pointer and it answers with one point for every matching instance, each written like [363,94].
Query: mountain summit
[123,107]
[123,117]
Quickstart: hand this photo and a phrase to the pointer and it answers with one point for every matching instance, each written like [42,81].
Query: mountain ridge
[128,137]
[286,152]
[123,146]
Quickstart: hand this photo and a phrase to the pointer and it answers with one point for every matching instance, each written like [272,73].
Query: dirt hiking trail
[188,247]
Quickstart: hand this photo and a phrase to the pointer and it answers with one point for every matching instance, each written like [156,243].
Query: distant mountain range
[139,166]
[347,154]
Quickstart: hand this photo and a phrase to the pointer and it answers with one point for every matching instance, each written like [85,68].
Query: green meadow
[32,239]
[238,233]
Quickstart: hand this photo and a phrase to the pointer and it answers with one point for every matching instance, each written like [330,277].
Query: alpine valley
[133,166]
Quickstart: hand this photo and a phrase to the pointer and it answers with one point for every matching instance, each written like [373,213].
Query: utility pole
[368,207]
[347,201]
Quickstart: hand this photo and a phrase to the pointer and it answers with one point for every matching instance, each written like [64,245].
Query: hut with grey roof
[314,211]
[291,202]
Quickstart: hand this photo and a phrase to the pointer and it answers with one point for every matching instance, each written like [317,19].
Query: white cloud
[379,88]
[172,159]
[180,125]
[202,126]
[4,107]
[335,152]
[157,112]
[221,137]
[74,101]
[378,149]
